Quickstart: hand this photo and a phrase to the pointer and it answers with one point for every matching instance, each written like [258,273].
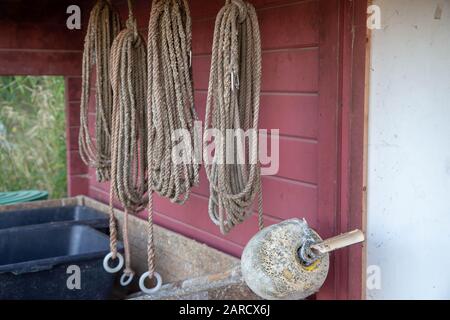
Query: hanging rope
[170,98]
[128,138]
[170,107]
[104,25]
[233,103]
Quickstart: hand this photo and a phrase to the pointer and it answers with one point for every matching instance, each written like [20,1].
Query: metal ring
[106,263]
[155,288]
[126,279]
[305,254]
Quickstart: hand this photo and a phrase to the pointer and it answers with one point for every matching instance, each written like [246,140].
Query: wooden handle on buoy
[339,242]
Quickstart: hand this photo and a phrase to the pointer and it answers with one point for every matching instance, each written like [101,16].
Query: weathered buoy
[289,260]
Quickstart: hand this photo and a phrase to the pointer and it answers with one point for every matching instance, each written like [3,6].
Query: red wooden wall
[290,102]
[309,76]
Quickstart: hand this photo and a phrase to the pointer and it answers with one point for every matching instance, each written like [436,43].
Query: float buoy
[289,260]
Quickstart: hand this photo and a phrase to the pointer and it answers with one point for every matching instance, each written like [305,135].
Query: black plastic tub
[67,215]
[38,262]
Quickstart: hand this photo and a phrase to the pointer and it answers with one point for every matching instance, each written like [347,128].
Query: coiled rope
[233,103]
[104,25]
[170,107]
[128,139]
[170,98]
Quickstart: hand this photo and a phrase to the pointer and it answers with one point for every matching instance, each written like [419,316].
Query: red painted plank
[290,71]
[293,115]
[265,4]
[92,101]
[47,12]
[239,236]
[75,164]
[282,198]
[289,26]
[141,11]
[297,160]
[72,138]
[328,151]
[356,272]
[91,123]
[73,114]
[78,185]
[202,36]
[282,27]
[195,213]
[29,36]
[283,71]
[73,89]
[288,199]
[202,9]
[200,104]
[201,66]
[345,57]
[38,63]
[297,157]
[198,234]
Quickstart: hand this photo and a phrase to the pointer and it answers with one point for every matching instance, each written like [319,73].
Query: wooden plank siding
[290,36]
[313,91]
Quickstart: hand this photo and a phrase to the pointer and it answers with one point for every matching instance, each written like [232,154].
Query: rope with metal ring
[170,108]
[128,138]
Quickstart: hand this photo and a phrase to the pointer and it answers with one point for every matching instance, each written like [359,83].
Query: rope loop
[150,276]
[130,9]
[131,22]
[128,138]
[127,277]
[170,109]
[132,26]
[242,7]
[112,256]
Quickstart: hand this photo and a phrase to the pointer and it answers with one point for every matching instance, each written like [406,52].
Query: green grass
[32,134]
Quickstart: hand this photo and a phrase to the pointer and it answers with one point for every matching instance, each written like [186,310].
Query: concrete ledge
[227,285]
[191,270]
